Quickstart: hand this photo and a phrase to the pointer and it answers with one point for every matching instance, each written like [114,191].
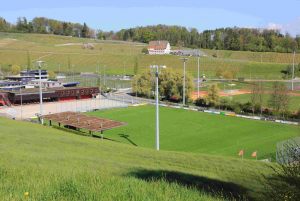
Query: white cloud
[292,27]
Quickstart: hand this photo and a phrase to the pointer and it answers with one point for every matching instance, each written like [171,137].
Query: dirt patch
[223,93]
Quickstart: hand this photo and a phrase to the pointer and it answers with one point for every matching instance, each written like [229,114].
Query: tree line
[44,25]
[243,39]
[277,104]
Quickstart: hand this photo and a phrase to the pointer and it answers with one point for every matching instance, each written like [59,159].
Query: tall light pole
[156,71]
[183,90]
[198,80]
[293,74]
[39,64]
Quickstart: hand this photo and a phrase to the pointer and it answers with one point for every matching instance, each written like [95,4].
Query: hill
[190,131]
[66,54]
[54,165]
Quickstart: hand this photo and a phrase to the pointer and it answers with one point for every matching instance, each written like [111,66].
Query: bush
[235,107]
[285,183]
[145,50]
[201,102]
[225,104]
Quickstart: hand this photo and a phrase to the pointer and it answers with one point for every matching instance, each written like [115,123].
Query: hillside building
[159,47]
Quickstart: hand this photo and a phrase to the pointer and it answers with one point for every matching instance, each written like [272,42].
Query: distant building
[26,76]
[159,47]
[189,52]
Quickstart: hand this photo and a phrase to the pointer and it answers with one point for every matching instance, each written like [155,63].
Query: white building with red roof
[159,47]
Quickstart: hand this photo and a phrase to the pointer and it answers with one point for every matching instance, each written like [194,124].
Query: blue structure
[26,76]
[10,85]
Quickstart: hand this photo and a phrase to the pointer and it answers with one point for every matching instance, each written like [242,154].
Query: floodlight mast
[183,93]
[156,71]
[39,64]
[293,73]
[198,80]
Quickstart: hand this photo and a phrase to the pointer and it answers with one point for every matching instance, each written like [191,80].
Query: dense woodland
[243,39]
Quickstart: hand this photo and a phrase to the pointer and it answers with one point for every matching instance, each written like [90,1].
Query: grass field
[269,57]
[117,57]
[294,104]
[189,131]
[51,164]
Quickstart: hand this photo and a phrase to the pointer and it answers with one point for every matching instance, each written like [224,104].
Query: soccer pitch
[191,131]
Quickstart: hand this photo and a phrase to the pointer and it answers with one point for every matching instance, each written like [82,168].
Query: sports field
[41,163]
[191,131]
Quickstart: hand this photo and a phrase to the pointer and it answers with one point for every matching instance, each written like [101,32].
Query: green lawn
[294,104]
[118,57]
[54,165]
[190,131]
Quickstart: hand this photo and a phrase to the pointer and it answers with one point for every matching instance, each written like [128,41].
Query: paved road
[29,111]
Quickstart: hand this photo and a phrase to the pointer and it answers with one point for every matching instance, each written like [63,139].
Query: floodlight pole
[157,111]
[183,93]
[198,81]
[39,63]
[293,74]
[157,105]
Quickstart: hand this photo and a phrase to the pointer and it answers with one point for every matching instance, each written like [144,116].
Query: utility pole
[183,96]
[293,74]
[39,63]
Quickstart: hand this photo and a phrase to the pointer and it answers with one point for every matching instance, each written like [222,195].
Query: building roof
[158,45]
[79,120]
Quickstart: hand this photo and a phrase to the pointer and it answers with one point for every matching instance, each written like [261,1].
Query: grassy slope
[55,165]
[273,57]
[116,55]
[190,131]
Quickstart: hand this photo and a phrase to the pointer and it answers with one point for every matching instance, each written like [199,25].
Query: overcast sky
[118,14]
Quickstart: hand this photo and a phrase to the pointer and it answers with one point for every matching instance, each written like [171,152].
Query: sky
[118,14]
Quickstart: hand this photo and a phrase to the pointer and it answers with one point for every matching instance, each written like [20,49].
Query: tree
[285,181]
[15,69]
[256,99]
[170,85]
[4,26]
[84,31]
[213,96]
[288,72]
[279,99]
